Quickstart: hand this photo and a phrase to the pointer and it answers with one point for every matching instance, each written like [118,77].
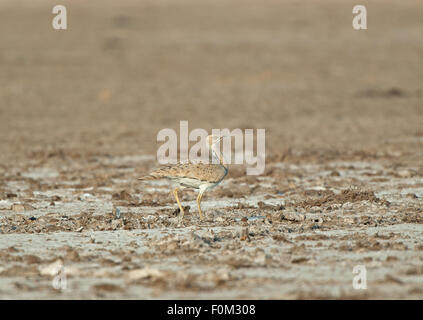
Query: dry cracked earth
[80,111]
[295,232]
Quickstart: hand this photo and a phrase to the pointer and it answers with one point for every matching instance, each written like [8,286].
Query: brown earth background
[80,111]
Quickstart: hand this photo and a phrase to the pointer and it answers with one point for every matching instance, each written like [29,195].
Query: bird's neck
[219,156]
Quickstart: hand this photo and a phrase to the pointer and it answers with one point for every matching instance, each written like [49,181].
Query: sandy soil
[79,114]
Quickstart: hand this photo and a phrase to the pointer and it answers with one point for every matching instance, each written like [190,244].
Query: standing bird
[201,176]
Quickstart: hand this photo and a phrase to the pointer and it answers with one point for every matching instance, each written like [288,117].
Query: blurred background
[126,69]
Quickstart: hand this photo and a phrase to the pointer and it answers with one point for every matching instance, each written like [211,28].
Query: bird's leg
[175,193]
[200,195]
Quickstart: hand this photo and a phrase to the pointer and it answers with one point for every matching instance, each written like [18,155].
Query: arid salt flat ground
[79,114]
[296,232]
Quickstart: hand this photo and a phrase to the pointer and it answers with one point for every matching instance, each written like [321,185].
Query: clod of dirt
[298,249]
[415,271]
[265,206]
[72,255]
[405,173]
[293,216]
[391,259]
[144,273]
[237,262]
[279,237]
[300,260]
[51,269]
[347,195]
[31,259]
[116,224]
[20,271]
[108,287]
[12,249]
[18,208]
[411,196]
[123,195]
[312,237]
[243,206]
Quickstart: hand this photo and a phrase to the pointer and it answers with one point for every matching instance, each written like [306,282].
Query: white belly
[193,183]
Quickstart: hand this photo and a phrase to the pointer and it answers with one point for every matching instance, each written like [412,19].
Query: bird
[200,176]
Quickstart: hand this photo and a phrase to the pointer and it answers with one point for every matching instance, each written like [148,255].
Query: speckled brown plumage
[205,172]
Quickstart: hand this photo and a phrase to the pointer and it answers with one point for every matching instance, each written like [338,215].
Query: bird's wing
[200,171]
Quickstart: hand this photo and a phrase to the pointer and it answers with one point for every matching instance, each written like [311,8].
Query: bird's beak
[217,140]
